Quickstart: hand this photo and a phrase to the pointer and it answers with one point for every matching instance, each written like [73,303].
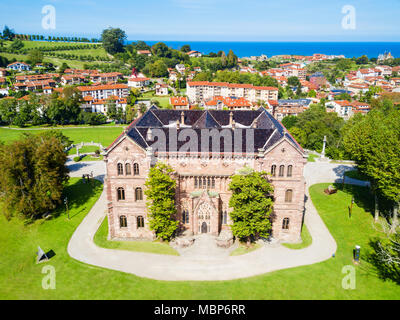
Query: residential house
[194,54]
[19,66]
[161,89]
[105,91]
[179,102]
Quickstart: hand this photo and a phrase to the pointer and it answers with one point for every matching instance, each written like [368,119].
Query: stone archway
[204,214]
[204,227]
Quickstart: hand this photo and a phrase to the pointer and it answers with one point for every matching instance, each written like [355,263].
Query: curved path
[203,266]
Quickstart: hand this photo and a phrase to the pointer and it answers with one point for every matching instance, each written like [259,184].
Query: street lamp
[66,206]
[351,207]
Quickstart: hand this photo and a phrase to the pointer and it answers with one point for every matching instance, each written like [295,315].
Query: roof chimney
[182,118]
[149,135]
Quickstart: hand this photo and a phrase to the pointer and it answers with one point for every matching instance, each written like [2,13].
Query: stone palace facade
[203,171]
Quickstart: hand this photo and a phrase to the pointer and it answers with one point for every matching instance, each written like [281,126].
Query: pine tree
[161,195]
[252,205]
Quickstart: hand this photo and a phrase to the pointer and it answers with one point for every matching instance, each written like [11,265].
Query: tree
[252,204]
[186,48]
[35,56]
[231,59]
[362,60]
[113,40]
[289,121]
[374,144]
[8,34]
[294,82]
[160,49]
[160,191]
[158,69]
[16,45]
[32,175]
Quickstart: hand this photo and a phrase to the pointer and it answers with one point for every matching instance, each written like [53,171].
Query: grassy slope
[100,239]
[56,61]
[103,135]
[20,277]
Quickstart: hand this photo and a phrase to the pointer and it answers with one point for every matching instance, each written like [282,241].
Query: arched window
[285,224]
[212,183]
[185,216]
[273,171]
[204,183]
[120,194]
[282,171]
[195,182]
[136,169]
[200,182]
[288,195]
[289,171]
[138,194]
[120,168]
[140,222]
[128,169]
[122,222]
[224,217]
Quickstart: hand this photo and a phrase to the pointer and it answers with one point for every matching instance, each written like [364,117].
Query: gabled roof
[266,130]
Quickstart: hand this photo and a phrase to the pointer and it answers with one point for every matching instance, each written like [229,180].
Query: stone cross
[323,147]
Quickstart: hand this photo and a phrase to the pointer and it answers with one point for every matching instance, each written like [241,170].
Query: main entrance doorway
[204,227]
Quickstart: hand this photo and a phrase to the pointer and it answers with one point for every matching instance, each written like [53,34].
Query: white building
[198,91]
[19,66]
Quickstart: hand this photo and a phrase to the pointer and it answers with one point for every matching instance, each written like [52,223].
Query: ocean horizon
[273,48]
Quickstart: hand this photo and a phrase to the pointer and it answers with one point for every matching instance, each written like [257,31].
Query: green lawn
[243,249]
[103,135]
[84,149]
[90,158]
[305,237]
[312,157]
[20,277]
[100,239]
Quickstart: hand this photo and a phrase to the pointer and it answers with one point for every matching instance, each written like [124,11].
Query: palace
[252,138]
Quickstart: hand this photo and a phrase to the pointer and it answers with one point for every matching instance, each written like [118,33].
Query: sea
[247,49]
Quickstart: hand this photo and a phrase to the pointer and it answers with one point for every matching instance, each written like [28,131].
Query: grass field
[103,135]
[100,239]
[243,249]
[21,278]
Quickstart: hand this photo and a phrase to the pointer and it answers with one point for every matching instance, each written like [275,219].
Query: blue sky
[210,20]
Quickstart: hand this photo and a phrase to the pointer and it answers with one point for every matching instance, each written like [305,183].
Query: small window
[273,171]
[288,195]
[281,171]
[195,182]
[285,224]
[128,169]
[289,171]
[120,194]
[140,222]
[138,194]
[136,169]
[224,217]
[123,222]
[212,183]
[120,168]
[185,217]
[204,183]
[200,182]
